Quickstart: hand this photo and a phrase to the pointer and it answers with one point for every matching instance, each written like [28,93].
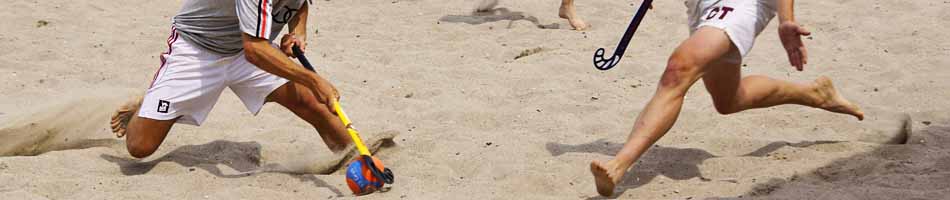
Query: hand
[791,35]
[289,41]
[326,93]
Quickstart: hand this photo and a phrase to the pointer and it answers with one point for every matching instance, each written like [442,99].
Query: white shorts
[191,79]
[742,20]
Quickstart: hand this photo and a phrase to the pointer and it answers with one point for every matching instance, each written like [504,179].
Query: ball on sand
[359,177]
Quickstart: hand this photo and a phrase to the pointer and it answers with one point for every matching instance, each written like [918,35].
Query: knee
[139,150]
[725,108]
[681,71]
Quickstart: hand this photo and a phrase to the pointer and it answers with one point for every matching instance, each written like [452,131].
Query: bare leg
[698,57]
[568,12]
[685,67]
[144,134]
[301,101]
[733,94]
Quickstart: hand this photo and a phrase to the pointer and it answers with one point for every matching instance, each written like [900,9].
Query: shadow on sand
[919,169]
[671,162]
[675,163]
[494,15]
[244,157]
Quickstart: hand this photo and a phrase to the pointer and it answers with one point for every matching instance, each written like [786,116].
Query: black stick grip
[632,28]
[303,59]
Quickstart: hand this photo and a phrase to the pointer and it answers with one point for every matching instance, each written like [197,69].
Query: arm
[297,28]
[786,11]
[259,52]
[790,33]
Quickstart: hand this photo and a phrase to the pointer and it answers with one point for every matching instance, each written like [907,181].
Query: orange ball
[360,179]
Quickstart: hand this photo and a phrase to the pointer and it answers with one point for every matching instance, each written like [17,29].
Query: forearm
[260,53]
[298,24]
[786,10]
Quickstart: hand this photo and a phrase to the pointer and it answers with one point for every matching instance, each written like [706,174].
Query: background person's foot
[568,12]
[606,177]
[834,102]
[122,116]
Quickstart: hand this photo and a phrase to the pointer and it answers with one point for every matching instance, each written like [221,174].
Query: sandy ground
[472,121]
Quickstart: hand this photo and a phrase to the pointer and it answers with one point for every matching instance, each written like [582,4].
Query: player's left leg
[301,101]
[732,93]
[255,87]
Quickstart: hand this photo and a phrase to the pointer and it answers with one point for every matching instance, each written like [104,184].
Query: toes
[579,25]
[119,133]
[605,185]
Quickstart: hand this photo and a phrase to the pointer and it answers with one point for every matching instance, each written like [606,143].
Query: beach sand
[500,105]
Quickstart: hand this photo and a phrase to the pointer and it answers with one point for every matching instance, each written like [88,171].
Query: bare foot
[122,116]
[834,102]
[567,12]
[606,176]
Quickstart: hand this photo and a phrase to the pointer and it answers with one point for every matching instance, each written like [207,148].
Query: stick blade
[604,64]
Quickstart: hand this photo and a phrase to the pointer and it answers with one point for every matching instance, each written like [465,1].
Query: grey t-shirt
[216,25]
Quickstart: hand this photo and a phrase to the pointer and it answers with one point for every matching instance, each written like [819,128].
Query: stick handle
[349,129]
[355,135]
[632,28]
[303,59]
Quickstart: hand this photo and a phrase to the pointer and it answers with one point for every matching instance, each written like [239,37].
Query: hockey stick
[386,175]
[602,63]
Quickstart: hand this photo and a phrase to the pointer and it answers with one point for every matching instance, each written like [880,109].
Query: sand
[470,120]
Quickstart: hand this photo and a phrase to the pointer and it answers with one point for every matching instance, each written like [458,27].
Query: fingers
[301,44]
[798,61]
[287,43]
[331,105]
[336,93]
[801,48]
[795,59]
[803,31]
[326,96]
[804,54]
[794,62]
[286,47]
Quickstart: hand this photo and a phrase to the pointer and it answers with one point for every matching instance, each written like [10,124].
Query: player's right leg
[184,90]
[686,66]
[144,134]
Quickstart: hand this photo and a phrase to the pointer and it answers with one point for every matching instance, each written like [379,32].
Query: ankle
[617,164]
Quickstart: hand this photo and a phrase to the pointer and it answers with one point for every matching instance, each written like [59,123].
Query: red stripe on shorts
[171,40]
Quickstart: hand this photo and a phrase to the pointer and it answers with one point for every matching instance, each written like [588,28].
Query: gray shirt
[216,25]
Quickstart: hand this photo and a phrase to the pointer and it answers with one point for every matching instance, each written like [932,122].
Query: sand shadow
[497,14]
[671,162]
[243,157]
[771,147]
[917,170]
